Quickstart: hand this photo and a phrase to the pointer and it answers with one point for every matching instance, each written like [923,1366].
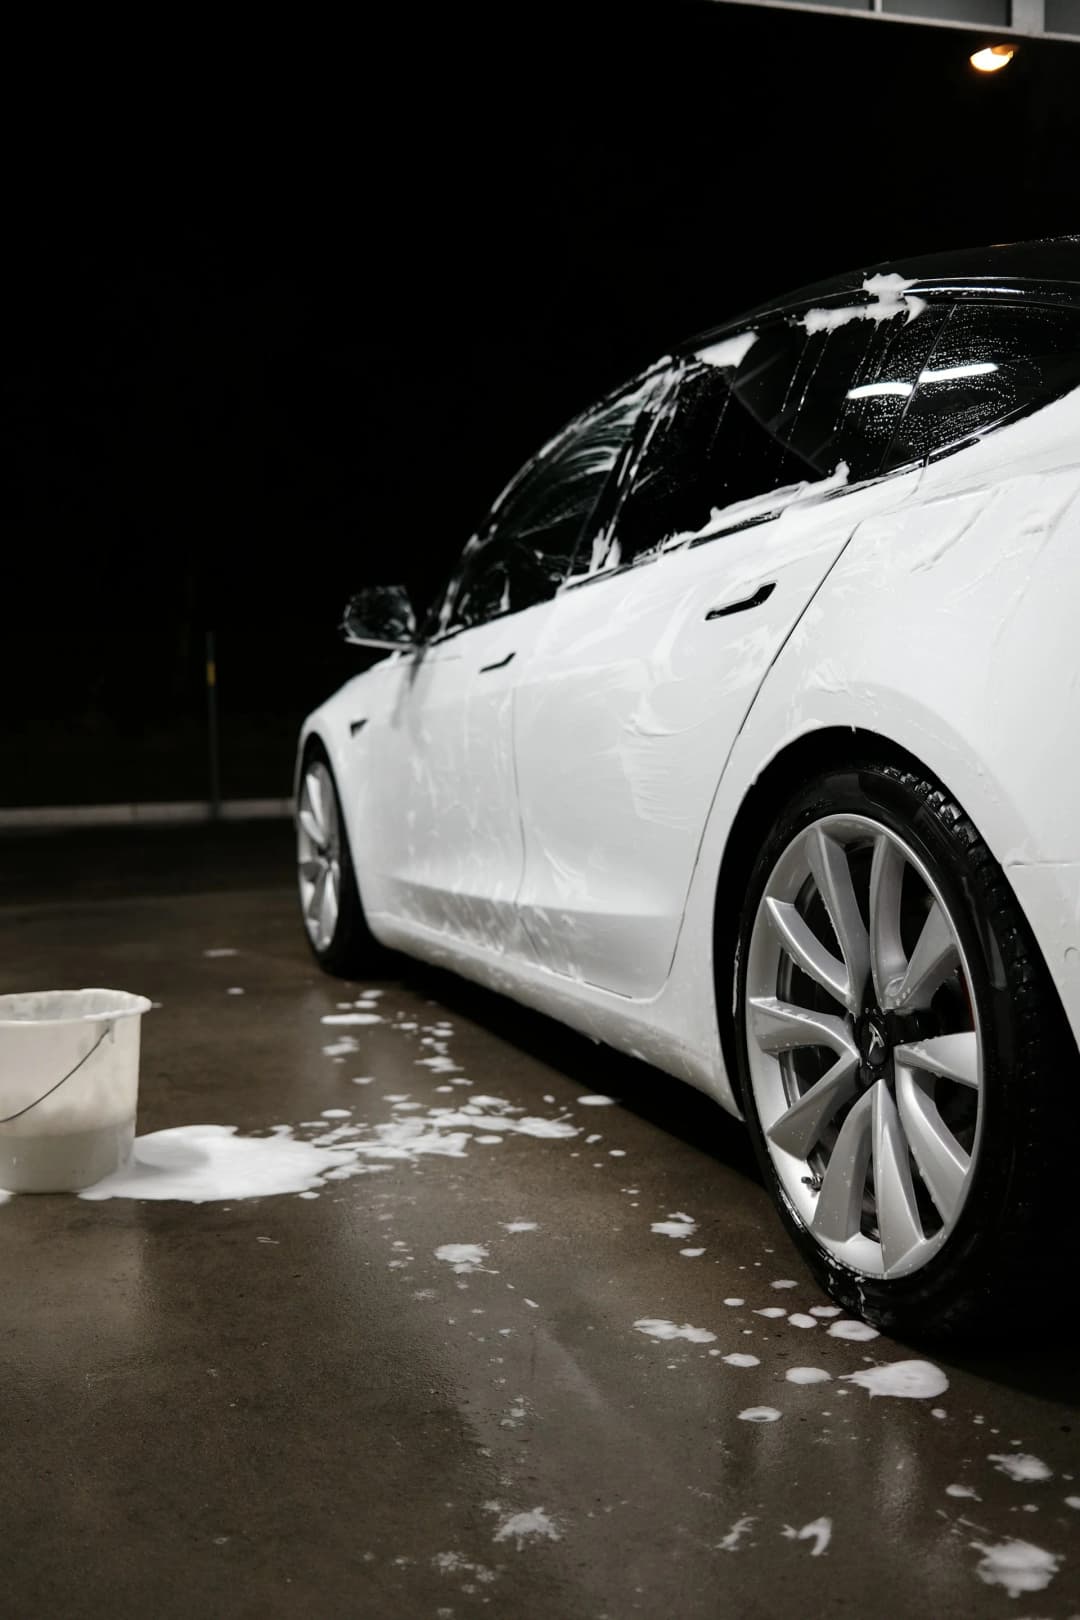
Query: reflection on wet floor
[415,1303]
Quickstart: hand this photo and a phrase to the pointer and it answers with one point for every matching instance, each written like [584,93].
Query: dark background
[288,312]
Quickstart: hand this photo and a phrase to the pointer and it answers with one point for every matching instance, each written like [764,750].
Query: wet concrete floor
[292,1405]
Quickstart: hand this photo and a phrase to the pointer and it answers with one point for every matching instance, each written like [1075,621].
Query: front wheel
[904,1068]
[330,905]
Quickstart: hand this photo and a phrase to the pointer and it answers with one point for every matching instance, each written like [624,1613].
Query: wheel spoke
[314,787]
[840,1201]
[887,958]
[943,1163]
[314,910]
[832,874]
[779,1026]
[899,1228]
[806,950]
[311,828]
[954,1057]
[328,906]
[310,867]
[935,956]
[801,1126]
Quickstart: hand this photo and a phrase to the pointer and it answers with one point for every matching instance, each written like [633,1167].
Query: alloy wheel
[864,1050]
[318,839]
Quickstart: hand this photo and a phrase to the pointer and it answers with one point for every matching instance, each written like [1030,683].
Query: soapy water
[205,1163]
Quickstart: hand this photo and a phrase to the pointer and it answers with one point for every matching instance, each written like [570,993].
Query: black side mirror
[380,616]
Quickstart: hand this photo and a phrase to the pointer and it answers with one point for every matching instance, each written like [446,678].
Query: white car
[745,739]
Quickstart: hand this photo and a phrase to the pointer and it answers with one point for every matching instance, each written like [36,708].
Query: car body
[849,520]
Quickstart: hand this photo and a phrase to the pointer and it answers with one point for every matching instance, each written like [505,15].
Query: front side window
[991,364]
[523,554]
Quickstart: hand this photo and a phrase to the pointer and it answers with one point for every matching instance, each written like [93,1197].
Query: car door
[760,465]
[450,841]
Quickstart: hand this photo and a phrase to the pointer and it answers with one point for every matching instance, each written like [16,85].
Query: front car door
[761,462]
[450,843]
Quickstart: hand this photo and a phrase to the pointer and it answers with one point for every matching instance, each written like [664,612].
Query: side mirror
[380,616]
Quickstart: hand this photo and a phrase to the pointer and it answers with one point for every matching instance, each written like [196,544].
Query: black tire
[1013,1229]
[352,951]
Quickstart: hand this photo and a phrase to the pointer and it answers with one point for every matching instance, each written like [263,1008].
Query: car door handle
[762,594]
[502,663]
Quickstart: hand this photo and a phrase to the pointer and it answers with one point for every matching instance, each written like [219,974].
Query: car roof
[1049,269]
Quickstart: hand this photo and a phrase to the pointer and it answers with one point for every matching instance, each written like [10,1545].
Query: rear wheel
[330,905]
[904,1066]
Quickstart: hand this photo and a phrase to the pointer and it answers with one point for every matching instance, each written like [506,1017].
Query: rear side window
[991,364]
[800,408]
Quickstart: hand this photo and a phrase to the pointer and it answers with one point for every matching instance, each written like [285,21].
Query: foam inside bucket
[73,1136]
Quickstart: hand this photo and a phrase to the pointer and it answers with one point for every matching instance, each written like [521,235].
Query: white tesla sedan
[744,738]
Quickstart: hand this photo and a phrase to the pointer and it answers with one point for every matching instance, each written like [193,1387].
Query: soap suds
[676,1226]
[595,1101]
[857,1332]
[734,1301]
[1020,1466]
[784,1282]
[1018,1566]
[759,1414]
[522,1527]
[819,1531]
[738,1359]
[824,1310]
[730,1542]
[691,1254]
[799,1320]
[199,1164]
[464,1257]
[222,950]
[963,1490]
[520,1226]
[771,1311]
[807,1375]
[657,1328]
[909,1380]
[351,1018]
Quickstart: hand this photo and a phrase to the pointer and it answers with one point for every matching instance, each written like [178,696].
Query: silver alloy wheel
[318,852]
[866,1067]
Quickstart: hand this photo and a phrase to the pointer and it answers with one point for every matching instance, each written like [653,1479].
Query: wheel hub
[874,1040]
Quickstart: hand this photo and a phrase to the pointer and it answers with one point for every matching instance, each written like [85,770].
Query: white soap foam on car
[808,1375]
[351,1018]
[739,1359]
[907,1380]
[657,1328]
[760,1414]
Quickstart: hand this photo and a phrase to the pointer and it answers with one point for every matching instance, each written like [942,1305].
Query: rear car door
[761,463]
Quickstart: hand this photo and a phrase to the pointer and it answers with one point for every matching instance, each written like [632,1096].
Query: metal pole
[212,728]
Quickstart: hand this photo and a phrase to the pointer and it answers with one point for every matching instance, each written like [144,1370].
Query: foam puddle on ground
[202,1163]
[198,1164]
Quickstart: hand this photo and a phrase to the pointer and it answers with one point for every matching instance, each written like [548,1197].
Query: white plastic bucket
[69,1086]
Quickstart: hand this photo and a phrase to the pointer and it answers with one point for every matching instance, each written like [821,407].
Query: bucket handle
[107,1030]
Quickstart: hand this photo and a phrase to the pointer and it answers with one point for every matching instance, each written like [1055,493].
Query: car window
[797,408]
[525,550]
[990,364]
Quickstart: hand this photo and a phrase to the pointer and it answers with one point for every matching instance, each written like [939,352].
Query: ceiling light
[992,57]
